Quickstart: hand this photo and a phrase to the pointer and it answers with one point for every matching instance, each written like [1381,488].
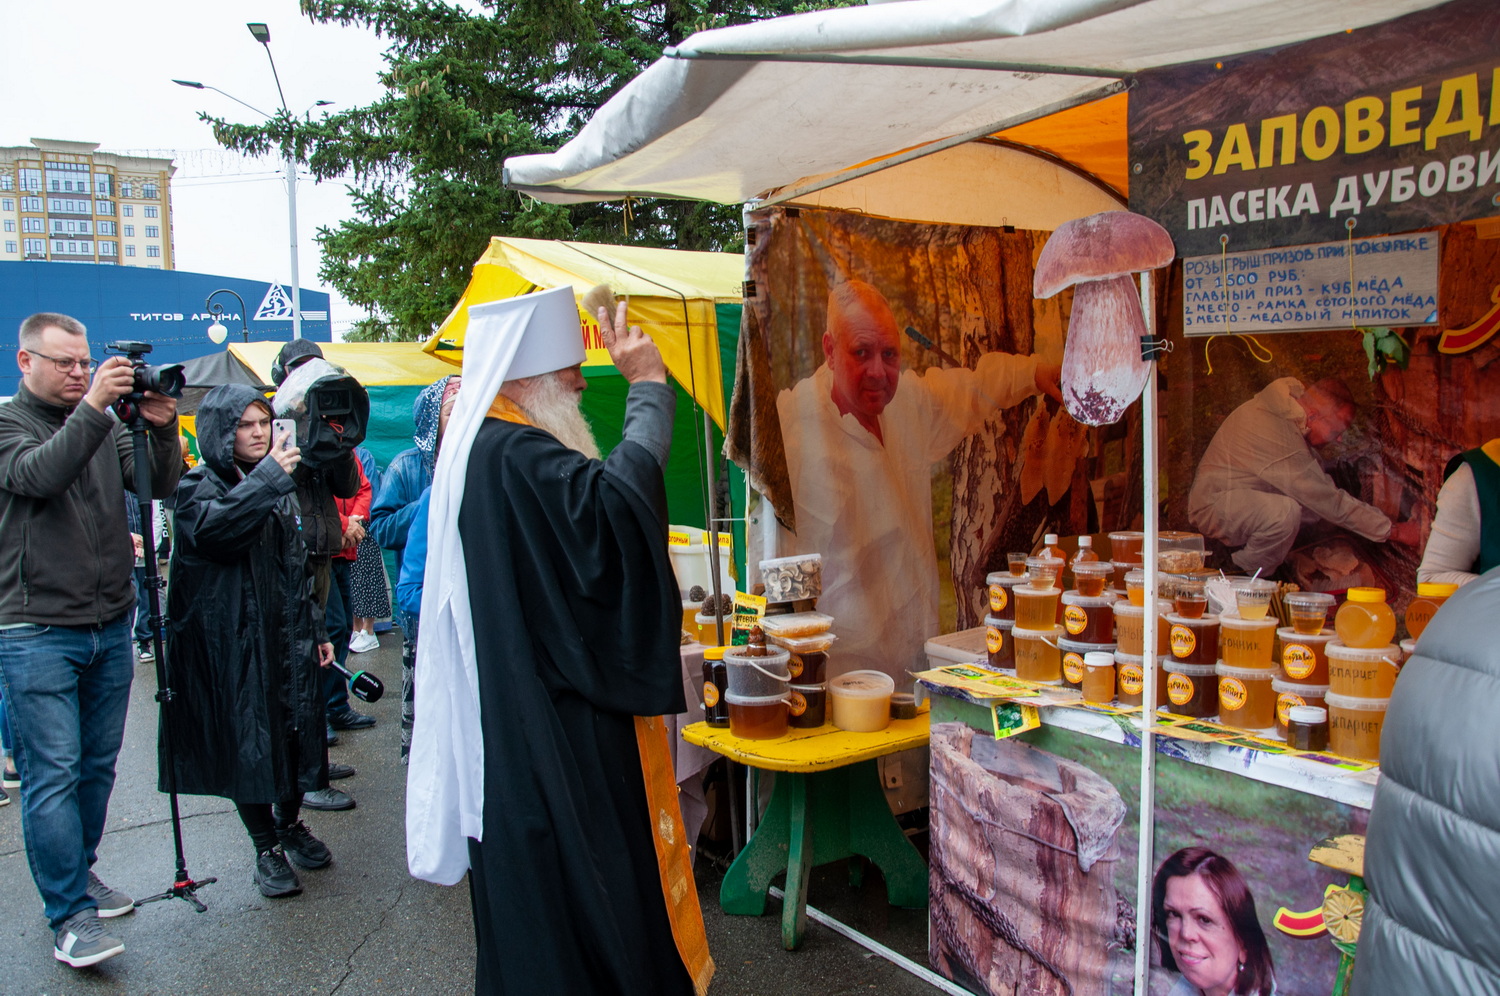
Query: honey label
[1298,660]
[1132,680]
[1184,642]
[675,538]
[999,597]
[1073,666]
[1232,694]
[794,665]
[710,694]
[797,703]
[1075,619]
[1285,702]
[994,638]
[1180,688]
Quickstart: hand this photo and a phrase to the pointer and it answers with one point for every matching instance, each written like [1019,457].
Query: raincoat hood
[218,419]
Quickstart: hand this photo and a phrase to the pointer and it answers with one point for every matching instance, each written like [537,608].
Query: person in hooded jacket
[245,638]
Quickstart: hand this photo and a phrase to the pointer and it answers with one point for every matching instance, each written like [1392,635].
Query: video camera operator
[65,612]
[323,532]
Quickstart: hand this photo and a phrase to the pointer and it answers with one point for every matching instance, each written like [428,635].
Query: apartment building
[66,202]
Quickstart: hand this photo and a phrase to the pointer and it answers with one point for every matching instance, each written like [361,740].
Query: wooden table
[827,804]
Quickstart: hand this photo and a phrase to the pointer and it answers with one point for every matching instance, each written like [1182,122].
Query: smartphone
[284,425]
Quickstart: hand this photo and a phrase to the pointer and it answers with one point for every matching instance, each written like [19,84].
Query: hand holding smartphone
[286,430]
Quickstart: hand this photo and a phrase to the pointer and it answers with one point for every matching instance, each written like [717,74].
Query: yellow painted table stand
[827,804]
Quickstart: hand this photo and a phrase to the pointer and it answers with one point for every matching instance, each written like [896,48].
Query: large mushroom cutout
[1102,369]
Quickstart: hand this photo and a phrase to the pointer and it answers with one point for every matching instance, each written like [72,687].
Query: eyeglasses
[65,364]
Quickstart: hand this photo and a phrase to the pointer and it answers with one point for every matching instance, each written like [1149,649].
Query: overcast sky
[95,71]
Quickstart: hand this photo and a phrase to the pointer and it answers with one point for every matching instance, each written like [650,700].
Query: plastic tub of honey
[758,677]
[1430,597]
[1089,619]
[1130,678]
[998,641]
[1194,641]
[1099,677]
[1365,620]
[860,701]
[690,617]
[1252,597]
[1354,726]
[809,656]
[1304,656]
[1308,610]
[1192,689]
[795,624]
[1044,572]
[1130,624]
[1036,608]
[1073,654]
[1364,672]
[1290,694]
[1091,576]
[1001,590]
[1125,547]
[1247,642]
[1246,698]
[1038,657]
[807,706]
[1188,598]
[757,717]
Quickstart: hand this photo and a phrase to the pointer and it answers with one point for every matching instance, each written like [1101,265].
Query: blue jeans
[142,608]
[340,627]
[67,689]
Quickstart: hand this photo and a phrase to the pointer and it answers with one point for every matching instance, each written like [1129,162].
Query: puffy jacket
[1432,852]
[65,553]
[247,722]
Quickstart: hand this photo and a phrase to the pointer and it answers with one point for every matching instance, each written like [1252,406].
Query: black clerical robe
[576,629]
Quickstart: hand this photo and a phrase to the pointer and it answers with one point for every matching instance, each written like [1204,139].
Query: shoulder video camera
[166,378]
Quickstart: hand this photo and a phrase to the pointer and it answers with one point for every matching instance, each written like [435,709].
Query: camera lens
[166,379]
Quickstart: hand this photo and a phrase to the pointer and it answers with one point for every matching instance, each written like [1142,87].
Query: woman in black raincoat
[244,638]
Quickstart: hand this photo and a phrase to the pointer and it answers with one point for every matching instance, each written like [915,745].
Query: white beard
[554,408]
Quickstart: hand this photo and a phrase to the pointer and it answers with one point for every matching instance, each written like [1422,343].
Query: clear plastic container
[860,701]
[1089,619]
[1304,656]
[705,627]
[807,706]
[1002,589]
[1192,690]
[1194,641]
[689,617]
[1355,725]
[1252,597]
[1130,624]
[1430,597]
[1036,608]
[1045,572]
[1246,698]
[1099,677]
[1130,678]
[1038,657]
[1308,610]
[1125,546]
[1179,552]
[1363,672]
[1189,599]
[757,717]
[1365,620]
[1289,695]
[1135,586]
[758,677]
[997,640]
[796,624]
[791,579]
[1090,577]
[809,660]
[1247,642]
[1073,654]
[1307,728]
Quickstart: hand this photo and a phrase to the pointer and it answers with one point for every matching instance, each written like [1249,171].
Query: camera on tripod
[165,378]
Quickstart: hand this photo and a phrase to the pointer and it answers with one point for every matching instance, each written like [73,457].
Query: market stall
[1290,94]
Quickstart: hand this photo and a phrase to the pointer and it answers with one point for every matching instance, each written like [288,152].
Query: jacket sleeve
[223,527]
[1453,541]
[358,505]
[391,512]
[46,469]
[958,401]
[414,561]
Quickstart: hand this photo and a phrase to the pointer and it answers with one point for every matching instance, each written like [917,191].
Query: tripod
[183,886]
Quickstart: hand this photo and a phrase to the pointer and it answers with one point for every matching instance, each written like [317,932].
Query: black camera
[166,378]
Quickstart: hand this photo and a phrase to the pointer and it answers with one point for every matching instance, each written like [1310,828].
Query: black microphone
[362,683]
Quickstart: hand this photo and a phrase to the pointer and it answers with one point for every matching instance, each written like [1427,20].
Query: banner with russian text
[1385,129]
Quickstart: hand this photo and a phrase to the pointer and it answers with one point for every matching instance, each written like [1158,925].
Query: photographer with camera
[245,637]
[66,657]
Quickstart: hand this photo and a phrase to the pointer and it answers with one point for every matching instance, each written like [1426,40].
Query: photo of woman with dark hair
[1203,918]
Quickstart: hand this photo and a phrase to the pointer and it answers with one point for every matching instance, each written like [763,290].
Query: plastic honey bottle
[1430,597]
[1085,554]
[1365,621]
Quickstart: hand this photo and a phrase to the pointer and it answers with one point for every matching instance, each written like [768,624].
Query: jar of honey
[1044,572]
[1194,641]
[1036,608]
[1430,597]
[1099,677]
[1365,620]
[1192,690]
[706,629]
[715,684]
[1090,577]
[1308,610]
[1073,653]
[1038,657]
[1354,726]
[1304,656]
[1363,672]
[807,706]
[997,640]
[1130,678]
[1001,588]
[1247,642]
[1189,599]
[809,656]
[757,717]
[1290,695]
[1246,699]
[1130,624]
[1125,547]
[1307,728]
[1089,619]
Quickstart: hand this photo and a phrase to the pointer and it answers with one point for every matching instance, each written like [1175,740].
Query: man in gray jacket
[65,610]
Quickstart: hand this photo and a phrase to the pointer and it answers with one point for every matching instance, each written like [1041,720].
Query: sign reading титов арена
[1393,282]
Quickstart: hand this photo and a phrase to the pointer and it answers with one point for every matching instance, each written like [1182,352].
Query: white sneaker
[363,642]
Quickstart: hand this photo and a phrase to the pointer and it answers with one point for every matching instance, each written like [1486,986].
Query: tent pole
[1149,460]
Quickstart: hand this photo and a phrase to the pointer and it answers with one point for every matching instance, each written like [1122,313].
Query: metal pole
[291,211]
[1147,824]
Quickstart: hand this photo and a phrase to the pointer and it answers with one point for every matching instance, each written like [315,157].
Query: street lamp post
[217,332]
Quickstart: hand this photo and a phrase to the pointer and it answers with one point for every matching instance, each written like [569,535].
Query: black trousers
[261,821]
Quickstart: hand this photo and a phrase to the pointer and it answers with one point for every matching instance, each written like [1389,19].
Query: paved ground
[364,926]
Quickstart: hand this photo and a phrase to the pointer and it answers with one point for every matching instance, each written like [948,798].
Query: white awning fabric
[736,113]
